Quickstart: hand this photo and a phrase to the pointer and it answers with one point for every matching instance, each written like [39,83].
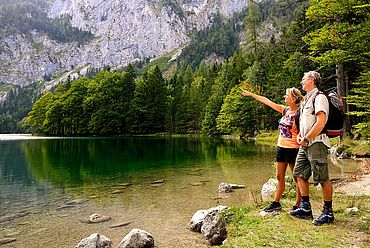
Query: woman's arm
[278,107]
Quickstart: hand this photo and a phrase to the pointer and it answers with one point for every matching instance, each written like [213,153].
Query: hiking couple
[302,146]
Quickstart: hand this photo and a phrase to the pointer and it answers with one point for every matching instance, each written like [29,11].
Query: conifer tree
[150,103]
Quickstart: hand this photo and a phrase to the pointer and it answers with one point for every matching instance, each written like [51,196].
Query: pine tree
[360,99]
[150,103]
[340,39]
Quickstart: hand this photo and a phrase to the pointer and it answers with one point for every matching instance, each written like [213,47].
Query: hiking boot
[326,217]
[274,206]
[303,212]
[294,207]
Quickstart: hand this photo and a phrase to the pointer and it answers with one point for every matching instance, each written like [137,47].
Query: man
[312,155]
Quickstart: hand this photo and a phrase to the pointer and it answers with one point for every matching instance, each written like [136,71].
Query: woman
[287,146]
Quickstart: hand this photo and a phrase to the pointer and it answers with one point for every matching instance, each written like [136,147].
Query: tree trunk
[342,89]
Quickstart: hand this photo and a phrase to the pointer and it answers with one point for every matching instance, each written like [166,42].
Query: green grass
[247,228]
[358,148]
[162,62]
[267,137]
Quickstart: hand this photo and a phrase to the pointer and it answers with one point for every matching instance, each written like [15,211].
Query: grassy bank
[357,148]
[247,228]
[267,137]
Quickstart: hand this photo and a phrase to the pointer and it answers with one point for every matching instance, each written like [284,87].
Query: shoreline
[357,183]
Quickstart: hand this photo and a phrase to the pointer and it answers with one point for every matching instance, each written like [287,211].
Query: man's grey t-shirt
[309,112]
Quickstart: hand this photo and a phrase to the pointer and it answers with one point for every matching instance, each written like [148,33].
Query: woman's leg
[280,176]
[297,192]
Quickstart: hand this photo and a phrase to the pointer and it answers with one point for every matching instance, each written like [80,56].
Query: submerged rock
[120,224]
[66,207]
[224,187]
[72,204]
[157,182]
[117,191]
[125,184]
[96,218]
[198,184]
[76,202]
[228,187]
[7,240]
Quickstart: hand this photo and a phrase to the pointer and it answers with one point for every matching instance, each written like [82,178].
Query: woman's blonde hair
[294,92]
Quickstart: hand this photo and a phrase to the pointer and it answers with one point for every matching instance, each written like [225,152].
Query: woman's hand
[245,92]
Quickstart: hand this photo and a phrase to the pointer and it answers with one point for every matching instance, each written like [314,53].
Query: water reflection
[76,161]
[55,164]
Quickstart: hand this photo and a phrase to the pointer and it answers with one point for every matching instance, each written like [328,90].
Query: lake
[49,186]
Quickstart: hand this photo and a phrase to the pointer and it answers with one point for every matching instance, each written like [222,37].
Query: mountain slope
[107,33]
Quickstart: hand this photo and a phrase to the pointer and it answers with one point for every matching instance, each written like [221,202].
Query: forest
[331,37]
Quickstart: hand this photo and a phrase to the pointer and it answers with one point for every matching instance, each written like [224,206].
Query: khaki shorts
[312,160]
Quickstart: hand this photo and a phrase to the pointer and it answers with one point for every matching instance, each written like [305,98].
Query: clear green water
[116,177]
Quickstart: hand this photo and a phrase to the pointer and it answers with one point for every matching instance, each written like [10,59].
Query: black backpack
[334,125]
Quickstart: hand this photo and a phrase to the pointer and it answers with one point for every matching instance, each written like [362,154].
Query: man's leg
[304,186]
[302,171]
[319,161]
[327,214]
[327,190]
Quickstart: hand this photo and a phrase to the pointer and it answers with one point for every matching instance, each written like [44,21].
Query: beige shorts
[312,160]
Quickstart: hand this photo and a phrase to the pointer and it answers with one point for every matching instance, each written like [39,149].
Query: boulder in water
[95,240]
[137,238]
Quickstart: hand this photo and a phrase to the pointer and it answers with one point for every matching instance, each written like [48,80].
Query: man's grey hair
[316,77]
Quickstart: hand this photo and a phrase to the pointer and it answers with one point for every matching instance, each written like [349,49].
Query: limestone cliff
[124,31]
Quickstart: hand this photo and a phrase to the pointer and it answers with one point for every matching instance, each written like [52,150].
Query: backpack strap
[313,101]
[296,119]
[285,110]
[324,130]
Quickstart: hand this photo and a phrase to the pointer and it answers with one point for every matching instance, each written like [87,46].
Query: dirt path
[359,183]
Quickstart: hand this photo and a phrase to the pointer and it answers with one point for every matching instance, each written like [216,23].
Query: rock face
[137,239]
[211,223]
[124,31]
[214,228]
[95,240]
[196,221]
